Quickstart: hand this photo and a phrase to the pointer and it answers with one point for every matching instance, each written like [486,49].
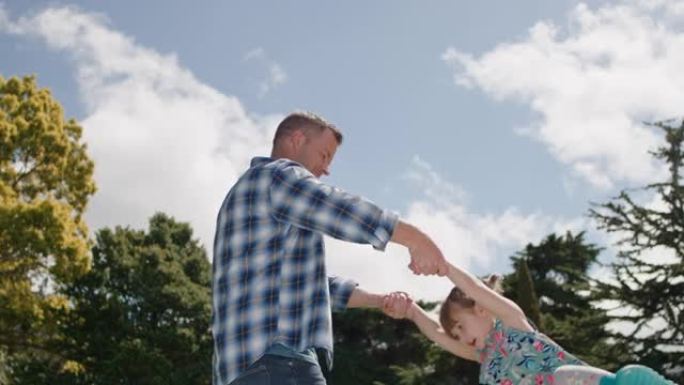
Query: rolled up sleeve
[340,292]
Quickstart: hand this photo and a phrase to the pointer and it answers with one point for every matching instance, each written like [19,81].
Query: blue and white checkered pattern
[269,279]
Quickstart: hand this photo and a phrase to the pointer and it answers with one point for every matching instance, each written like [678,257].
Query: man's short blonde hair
[308,123]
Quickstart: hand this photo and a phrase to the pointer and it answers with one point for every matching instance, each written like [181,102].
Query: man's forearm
[405,234]
[362,298]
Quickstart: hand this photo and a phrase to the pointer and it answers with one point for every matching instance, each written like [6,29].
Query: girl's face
[471,325]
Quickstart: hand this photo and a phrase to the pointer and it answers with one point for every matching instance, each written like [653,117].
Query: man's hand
[396,304]
[426,258]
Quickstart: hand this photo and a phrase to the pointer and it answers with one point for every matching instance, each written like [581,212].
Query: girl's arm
[432,330]
[501,307]
[400,305]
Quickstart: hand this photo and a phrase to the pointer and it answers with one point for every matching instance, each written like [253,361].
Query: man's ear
[297,140]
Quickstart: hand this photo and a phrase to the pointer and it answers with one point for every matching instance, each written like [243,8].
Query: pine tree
[570,315]
[651,287]
[527,297]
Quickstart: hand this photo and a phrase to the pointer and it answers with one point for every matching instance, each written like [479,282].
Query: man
[271,294]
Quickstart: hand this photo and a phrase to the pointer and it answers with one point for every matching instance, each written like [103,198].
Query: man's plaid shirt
[269,279]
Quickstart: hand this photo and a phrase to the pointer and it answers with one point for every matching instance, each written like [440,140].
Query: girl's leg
[578,375]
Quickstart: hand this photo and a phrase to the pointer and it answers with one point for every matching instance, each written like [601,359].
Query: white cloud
[4,19]
[275,74]
[593,84]
[479,242]
[256,53]
[433,185]
[672,8]
[161,140]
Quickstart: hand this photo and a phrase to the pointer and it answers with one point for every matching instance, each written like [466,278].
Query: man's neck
[279,154]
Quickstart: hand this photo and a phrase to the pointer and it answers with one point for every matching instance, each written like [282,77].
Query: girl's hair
[457,299]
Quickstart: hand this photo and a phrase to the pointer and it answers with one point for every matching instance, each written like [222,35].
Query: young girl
[479,324]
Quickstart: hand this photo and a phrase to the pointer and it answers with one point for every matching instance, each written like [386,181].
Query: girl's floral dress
[516,357]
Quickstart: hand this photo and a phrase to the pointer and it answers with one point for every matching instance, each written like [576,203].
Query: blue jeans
[277,370]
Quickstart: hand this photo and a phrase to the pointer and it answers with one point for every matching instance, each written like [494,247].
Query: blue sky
[490,124]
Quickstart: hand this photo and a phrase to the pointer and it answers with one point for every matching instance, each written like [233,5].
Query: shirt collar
[260,161]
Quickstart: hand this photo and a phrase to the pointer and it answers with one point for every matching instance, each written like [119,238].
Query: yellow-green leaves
[46,179]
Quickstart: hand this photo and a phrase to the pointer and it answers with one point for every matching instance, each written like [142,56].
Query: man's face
[316,151]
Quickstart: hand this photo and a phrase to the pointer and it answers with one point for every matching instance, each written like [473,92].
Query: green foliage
[366,344]
[558,268]
[45,183]
[653,287]
[141,315]
[527,296]
[371,348]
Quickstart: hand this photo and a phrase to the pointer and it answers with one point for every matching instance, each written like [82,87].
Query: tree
[653,288]
[527,296]
[558,268]
[141,315]
[371,348]
[366,343]
[45,183]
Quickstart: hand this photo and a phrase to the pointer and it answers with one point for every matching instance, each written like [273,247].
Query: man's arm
[362,298]
[346,294]
[303,201]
